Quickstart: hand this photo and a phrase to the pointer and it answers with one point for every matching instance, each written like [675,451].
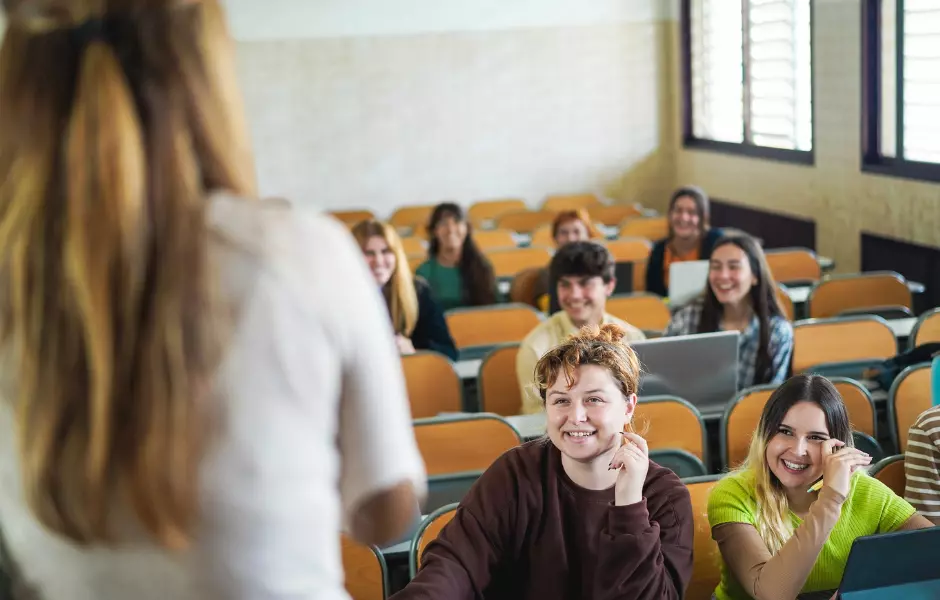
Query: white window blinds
[921,80]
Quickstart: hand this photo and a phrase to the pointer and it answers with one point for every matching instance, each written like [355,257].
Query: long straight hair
[773,521]
[109,148]
[399,292]
[479,282]
[763,299]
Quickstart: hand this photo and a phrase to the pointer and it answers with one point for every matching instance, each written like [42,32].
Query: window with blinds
[910,80]
[750,72]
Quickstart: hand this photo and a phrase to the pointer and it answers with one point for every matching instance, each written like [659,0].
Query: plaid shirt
[686,320]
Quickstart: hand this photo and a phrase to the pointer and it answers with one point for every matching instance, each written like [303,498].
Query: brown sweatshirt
[526,531]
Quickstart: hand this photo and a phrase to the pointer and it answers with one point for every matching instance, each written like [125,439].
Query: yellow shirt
[550,333]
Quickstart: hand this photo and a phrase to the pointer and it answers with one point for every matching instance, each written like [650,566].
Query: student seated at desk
[779,539]
[585,275]
[581,514]
[740,294]
[568,226]
[922,464]
[458,273]
[416,318]
[690,237]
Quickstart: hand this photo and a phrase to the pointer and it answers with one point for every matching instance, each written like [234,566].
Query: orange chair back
[525,221]
[706,565]
[429,532]
[671,423]
[351,217]
[543,237]
[414,217]
[858,404]
[497,324]
[910,395]
[433,385]
[493,239]
[646,311]
[508,262]
[463,444]
[928,328]
[560,202]
[890,471]
[793,264]
[498,384]
[651,228]
[832,297]
[613,214]
[629,249]
[414,246]
[786,303]
[365,575]
[740,421]
[639,276]
[816,342]
[489,210]
[524,286]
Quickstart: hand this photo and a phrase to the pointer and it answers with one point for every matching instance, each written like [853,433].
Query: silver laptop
[700,368]
[687,280]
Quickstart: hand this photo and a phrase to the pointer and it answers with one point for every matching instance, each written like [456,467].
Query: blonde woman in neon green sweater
[777,538]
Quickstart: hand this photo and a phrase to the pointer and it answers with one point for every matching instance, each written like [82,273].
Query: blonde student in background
[778,538]
[188,409]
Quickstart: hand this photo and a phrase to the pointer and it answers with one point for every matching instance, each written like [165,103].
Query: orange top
[670,257]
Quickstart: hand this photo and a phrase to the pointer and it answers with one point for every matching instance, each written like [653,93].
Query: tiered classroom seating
[560,202]
[364,567]
[823,341]
[866,291]
[432,384]
[497,324]
[481,212]
[793,265]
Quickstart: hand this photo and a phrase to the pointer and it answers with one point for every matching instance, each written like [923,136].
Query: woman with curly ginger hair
[580,513]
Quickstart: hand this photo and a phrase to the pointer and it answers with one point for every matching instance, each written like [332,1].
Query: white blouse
[316,419]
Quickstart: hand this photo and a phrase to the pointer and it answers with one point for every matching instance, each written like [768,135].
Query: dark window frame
[745,148]
[872,161]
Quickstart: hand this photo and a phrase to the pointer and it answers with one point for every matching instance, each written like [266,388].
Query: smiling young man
[585,274]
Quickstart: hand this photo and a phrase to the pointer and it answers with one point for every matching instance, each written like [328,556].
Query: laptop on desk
[700,368]
[687,280]
[903,565]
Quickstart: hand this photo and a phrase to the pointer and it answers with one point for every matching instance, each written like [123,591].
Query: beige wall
[842,200]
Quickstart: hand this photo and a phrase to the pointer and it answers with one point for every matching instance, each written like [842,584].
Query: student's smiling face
[794,453]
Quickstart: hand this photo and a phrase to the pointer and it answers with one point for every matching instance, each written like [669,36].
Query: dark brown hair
[700,198]
[479,282]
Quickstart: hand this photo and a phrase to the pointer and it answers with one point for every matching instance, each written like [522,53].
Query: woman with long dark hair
[458,273]
[741,295]
[780,532]
[188,408]
[690,237]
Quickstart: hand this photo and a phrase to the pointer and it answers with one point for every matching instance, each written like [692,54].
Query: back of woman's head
[762,296]
[400,290]
[478,280]
[594,345]
[773,522]
[118,118]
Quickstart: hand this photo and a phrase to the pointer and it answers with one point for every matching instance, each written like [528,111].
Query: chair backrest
[680,462]
[525,221]
[651,228]
[629,249]
[858,403]
[411,217]
[786,302]
[927,328]
[351,217]
[487,325]
[414,246]
[489,210]
[706,565]
[671,422]
[493,239]
[433,384]
[909,396]
[455,444]
[739,422]
[821,341]
[560,202]
[646,311]
[890,471]
[838,294]
[613,214]
[789,265]
[639,275]
[428,531]
[365,570]
[508,262]
[868,445]
[543,237]
[497,384]
[523,287]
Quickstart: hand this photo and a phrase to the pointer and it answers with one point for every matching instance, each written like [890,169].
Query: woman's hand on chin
[632,461]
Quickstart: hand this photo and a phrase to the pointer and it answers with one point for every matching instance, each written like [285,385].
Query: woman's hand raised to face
[839,463]
[633,461]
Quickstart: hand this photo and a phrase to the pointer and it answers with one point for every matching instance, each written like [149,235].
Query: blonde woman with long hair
[581,513]
[186,411]
[417,320]
[779,538]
